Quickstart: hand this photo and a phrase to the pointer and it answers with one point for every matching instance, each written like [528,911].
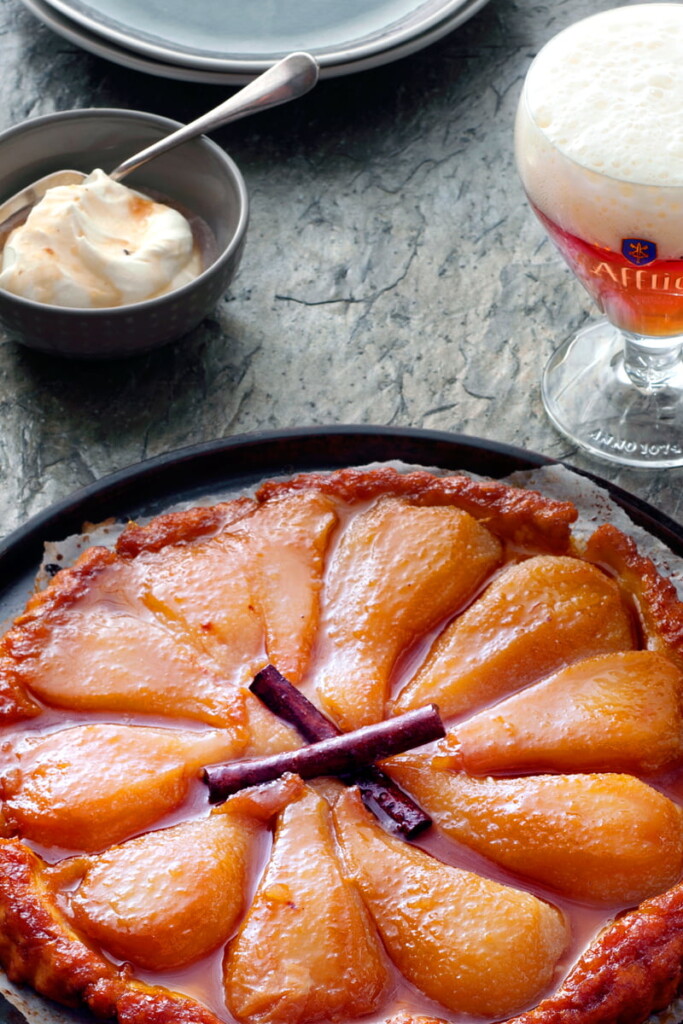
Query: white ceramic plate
[344,37]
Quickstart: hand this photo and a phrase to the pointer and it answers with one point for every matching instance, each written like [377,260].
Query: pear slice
[617,712]
[89,643]
[473,945]
[203,590]
[43,949]
[534,618]
[398,572]
[288,538]
[251,593]
[602,839]
[89,786]
[104,658]
[306,950]
[167,898]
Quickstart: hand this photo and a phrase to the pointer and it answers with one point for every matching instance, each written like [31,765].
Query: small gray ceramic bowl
[198,175]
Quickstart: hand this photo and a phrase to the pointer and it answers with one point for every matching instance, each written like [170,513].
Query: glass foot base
[589,398]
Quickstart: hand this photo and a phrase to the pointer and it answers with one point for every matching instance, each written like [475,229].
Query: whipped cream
[98,244]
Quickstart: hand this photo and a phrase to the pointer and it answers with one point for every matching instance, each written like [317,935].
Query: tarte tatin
[546,891]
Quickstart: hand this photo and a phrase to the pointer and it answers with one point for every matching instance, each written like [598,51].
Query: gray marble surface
[393,271]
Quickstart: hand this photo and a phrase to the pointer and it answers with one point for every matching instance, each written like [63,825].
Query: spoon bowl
[289,78]
[201,178]
[191,173]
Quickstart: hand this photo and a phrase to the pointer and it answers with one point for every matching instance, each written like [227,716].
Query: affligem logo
[638,251]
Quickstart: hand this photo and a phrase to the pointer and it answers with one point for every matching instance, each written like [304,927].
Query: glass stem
[650,362]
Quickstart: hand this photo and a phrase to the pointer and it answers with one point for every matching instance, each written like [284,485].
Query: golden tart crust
[288,537]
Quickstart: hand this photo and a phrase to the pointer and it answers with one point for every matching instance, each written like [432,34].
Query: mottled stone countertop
[393,272]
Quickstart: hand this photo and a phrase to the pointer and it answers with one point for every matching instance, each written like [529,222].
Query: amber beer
[600,153]
[644,299]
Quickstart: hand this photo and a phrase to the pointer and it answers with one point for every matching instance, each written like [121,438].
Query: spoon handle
[289,78]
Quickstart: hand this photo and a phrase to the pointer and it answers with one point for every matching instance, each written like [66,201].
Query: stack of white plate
[230,41]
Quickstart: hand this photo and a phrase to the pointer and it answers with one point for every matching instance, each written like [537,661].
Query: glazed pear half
[307,949]
[398,572]
[125,902]
[600,839]
[616,712]
[92,785]
[534,618]
[470,943]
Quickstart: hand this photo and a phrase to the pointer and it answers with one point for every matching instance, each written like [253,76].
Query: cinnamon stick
[380,794]
[284,700]
[339,755]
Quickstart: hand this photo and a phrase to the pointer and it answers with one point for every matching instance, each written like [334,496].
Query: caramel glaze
[622,964]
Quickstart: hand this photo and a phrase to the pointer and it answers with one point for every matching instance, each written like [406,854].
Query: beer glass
[599,146]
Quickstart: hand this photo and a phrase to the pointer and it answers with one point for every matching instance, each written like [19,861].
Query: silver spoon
[289,78]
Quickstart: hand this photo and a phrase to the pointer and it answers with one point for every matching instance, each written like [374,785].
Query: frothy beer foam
[600,128]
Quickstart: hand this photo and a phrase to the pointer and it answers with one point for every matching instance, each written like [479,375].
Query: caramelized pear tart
[547,889]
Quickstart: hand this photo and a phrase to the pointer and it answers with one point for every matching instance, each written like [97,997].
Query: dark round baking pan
[188,473]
